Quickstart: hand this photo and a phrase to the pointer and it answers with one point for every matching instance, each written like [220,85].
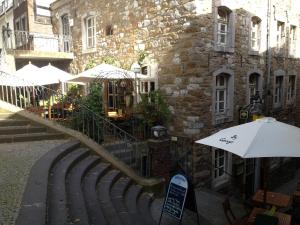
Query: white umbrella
[105,71]
[264,137]
[53,75]
[30,74]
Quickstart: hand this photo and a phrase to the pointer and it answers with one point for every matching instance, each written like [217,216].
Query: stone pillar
[160,157]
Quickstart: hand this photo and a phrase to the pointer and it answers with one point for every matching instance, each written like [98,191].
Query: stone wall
[179,36]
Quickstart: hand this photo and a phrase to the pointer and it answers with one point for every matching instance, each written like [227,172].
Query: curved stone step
[117,196]
[30,137]
[103,188]
[21,129]
[75,199]
[13,122]
[33,206]
[57,208]
[144,206]
[131,198]
[90,195]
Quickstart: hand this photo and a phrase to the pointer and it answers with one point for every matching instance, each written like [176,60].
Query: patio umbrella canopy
[104,71]
[52,74]
[30,74]
[264,137]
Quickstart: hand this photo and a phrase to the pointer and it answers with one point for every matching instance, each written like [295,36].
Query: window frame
[291,89]
[293,40]
[224,33]
[92,29]
[278,91]
[227,115]
[66,33]
[217,179]
[112,94]
[255,27]
[218,89]
[280,36]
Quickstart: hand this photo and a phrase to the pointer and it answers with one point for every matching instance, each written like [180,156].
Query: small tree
[154,109]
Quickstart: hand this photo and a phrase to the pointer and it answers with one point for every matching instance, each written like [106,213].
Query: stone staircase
[14,128]
[73,185]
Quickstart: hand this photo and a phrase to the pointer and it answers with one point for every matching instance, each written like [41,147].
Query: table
[273,198]
[283,219]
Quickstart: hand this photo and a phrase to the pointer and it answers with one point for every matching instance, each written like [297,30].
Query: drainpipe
[257,181]
[268,60]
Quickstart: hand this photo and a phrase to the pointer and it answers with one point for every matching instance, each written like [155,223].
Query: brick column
[160,158]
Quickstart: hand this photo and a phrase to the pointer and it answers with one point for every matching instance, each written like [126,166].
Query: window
[65,33]
[220,163]
[221,166]
[223,23]
[291,89]
[280,35]
[90,32]
[224,29]
[278,100]
[293,40]
[112,95]
[221,94]
[255,33]
[144,70]
[253,85]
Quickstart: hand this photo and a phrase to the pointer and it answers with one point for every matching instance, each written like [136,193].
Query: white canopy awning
[105,71]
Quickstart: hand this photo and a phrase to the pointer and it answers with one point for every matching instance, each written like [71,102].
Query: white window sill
[221,118]
[253,52]
[89,50]
[223,48]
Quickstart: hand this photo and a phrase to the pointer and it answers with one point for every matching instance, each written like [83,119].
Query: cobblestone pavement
[16,160]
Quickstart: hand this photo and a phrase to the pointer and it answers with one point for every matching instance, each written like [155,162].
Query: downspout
[257,181]
[268,61]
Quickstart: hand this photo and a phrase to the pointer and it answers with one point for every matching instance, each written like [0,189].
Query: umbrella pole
[265,178]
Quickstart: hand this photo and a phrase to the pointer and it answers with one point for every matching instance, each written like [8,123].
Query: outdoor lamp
[158,132]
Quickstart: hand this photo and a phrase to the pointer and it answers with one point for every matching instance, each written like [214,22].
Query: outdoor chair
[231,218]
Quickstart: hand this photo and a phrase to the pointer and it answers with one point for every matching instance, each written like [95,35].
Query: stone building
[207,56]
[27,35]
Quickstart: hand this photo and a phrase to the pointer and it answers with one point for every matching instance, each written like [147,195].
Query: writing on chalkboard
[174,202]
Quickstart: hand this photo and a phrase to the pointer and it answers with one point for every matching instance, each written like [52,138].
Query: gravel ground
[16,161]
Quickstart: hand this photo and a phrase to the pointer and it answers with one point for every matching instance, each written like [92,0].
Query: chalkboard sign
[174,202]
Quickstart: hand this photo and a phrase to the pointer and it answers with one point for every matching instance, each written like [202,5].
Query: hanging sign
[175,199]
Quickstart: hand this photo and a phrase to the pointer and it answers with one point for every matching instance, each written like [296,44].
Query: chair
[231,218]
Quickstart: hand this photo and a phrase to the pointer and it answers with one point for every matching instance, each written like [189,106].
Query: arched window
[224,29]
[65,32]
[223,96]
[221,93]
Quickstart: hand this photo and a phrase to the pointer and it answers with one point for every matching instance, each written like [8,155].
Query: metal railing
[24,40]
[72,113]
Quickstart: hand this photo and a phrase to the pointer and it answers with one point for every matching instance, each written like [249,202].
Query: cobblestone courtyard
[16,161]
